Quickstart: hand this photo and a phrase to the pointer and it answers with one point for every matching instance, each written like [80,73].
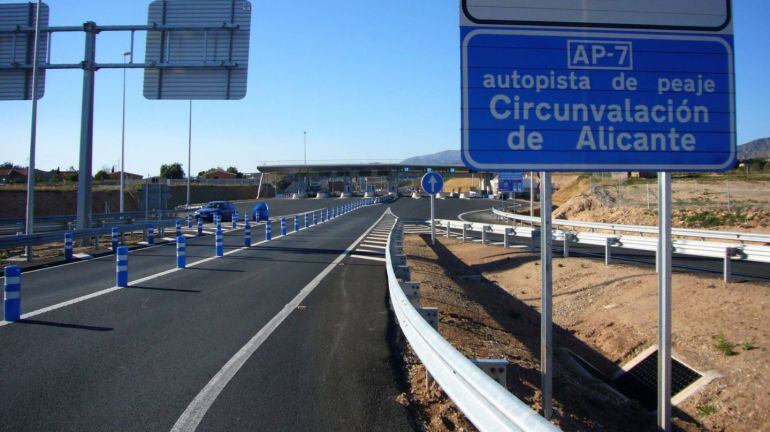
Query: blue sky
[366,79]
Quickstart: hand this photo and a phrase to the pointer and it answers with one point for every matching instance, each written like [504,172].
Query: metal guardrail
[643,229]
[8,242]
[725,251]
[9,226]
[487,404]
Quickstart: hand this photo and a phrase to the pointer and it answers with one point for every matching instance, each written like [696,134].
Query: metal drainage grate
[641,381]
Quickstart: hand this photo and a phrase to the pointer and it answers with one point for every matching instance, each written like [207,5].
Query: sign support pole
[531,197]
[546,306]
[87,130]
[664,302]
[189,155]
[433,219]
[30,228]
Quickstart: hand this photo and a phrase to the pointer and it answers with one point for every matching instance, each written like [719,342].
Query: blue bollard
[323,215]
[68,246]
[247,234]
[315,218]
[283,226]
[121,267]
[307,220]
[235,221]
[200,227]
[220,247]
[296,223]
[115,235]
[269,230]
[189,221]
[12,295]
[181,252]
[178,228]
[246,216]
[151,235]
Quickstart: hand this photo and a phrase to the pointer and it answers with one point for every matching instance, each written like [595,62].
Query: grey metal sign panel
[198,64]
[17,49]
[696,15]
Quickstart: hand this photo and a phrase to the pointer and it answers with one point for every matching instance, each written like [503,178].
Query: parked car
[225,209]
[260,212]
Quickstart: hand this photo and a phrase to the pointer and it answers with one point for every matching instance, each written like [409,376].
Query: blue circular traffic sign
[432,183]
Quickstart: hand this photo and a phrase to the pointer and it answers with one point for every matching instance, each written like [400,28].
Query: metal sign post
[546,296]
[432,183]
[664,301]
[30,228]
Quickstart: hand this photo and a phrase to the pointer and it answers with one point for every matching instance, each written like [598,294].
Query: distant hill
[757,149]
[444,157]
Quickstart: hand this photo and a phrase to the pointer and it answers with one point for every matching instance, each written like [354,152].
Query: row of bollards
[12,285]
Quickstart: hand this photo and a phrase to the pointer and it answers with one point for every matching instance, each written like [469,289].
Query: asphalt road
[139,358]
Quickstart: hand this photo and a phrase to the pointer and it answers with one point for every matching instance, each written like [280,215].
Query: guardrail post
[534,239]
[728,265]
[507,238]
[412,292]
[247,234]
[484,234]
[307,220]
[68,246]
[402,272]
[323,215]
[181,252]
[115,236]
[567,239]
[283,226]
[121,267]
[448,229]
[178,228]
[497,369]
[315,218]
[219,243]
[200,227]
[268,230]
[296,223]
[608,250]
[151,234]
[465,232]
[12,294]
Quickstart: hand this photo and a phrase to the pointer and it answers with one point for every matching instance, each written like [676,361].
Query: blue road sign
[597,100]
[511,182]
[432,183]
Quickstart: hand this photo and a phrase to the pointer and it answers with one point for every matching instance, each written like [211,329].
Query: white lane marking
[192,416]
[366,245]
[132,283]
[370,258]
[370,251]
[460,216]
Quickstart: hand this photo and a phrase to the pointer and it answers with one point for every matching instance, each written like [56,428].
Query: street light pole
[123,142]
[189,153]
[30,226]
[304,140]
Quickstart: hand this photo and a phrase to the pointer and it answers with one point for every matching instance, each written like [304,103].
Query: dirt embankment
[489,302]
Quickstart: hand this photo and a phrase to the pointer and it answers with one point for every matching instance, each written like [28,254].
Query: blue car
[260,212]
[225,209]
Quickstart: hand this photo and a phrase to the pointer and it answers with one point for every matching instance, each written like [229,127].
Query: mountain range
[757,149]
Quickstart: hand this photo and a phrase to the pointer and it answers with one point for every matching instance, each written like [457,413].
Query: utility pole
[189,153]
[30,227]
[123,141]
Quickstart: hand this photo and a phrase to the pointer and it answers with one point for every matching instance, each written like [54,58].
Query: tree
[71,176]
[101,175]
[7,165]
[234,170]
[172,171]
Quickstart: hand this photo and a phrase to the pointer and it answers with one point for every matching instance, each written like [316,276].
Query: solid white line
[373,246]
[358,249]
[133,283]
[370,258]
[192,416]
